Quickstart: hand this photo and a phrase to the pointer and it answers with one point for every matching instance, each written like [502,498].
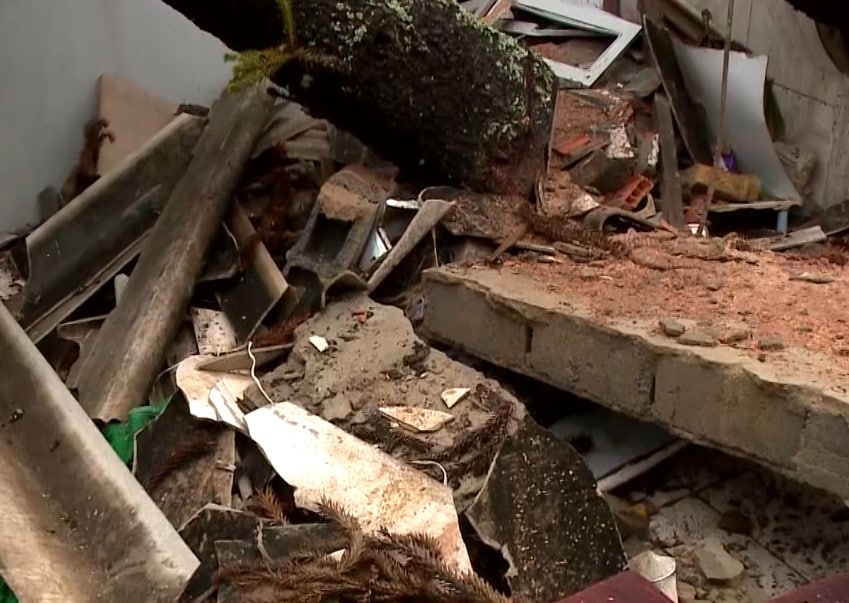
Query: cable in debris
[434,464]
[253,374]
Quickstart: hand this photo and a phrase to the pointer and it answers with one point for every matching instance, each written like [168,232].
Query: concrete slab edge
[709,396]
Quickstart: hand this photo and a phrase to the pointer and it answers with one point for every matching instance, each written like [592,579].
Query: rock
[771,343]
[382,368]
[671,327]
[686,592]
[698,338]
[735,336]
[336,408]
[816,279]
[715,562]
[713,284]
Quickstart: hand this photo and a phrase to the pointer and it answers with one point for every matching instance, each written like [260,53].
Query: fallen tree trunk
[422,82]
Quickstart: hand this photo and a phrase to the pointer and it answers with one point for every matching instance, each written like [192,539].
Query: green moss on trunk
[422,82]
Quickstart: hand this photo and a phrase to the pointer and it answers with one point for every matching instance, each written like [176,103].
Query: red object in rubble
[626,587]
[629,587]
[630,195]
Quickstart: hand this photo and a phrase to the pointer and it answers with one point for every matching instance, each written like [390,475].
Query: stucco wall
[53,52]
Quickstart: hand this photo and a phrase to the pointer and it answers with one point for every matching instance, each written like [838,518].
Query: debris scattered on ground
[259,268]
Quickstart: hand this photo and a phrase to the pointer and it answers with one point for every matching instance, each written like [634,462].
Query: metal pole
[720,134]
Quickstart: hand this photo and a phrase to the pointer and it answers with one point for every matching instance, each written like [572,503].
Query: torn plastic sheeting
[745,124]
[322,461]
[121,436]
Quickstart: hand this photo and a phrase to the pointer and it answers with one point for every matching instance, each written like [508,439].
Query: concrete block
[460,314]
[823,456]
[716,396]
[724,404]
[600,364]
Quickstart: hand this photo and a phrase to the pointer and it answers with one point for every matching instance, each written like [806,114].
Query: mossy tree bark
[422,82]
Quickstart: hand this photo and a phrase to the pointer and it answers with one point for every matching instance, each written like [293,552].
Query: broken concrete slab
[790,415]
[381,362]
[536,481]
[343,218]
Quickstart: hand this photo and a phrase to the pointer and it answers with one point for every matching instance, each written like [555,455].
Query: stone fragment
[454,395]
[337,408]
[735,335]
[417,419]
[771,343]
[698,338]
[816,279]
[715,562]
[671,327]
[713,284]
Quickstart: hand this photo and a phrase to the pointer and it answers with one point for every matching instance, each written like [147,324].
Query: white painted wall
[812,94]
[51,54]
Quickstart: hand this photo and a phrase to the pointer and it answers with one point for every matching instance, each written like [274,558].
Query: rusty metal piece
[90,240]
[131,347]
[76,525]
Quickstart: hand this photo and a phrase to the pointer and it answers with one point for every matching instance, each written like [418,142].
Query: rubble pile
[231,297]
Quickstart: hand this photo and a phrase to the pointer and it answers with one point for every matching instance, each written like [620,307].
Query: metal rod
[720,133]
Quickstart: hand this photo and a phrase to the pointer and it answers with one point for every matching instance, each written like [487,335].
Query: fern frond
[253,66]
